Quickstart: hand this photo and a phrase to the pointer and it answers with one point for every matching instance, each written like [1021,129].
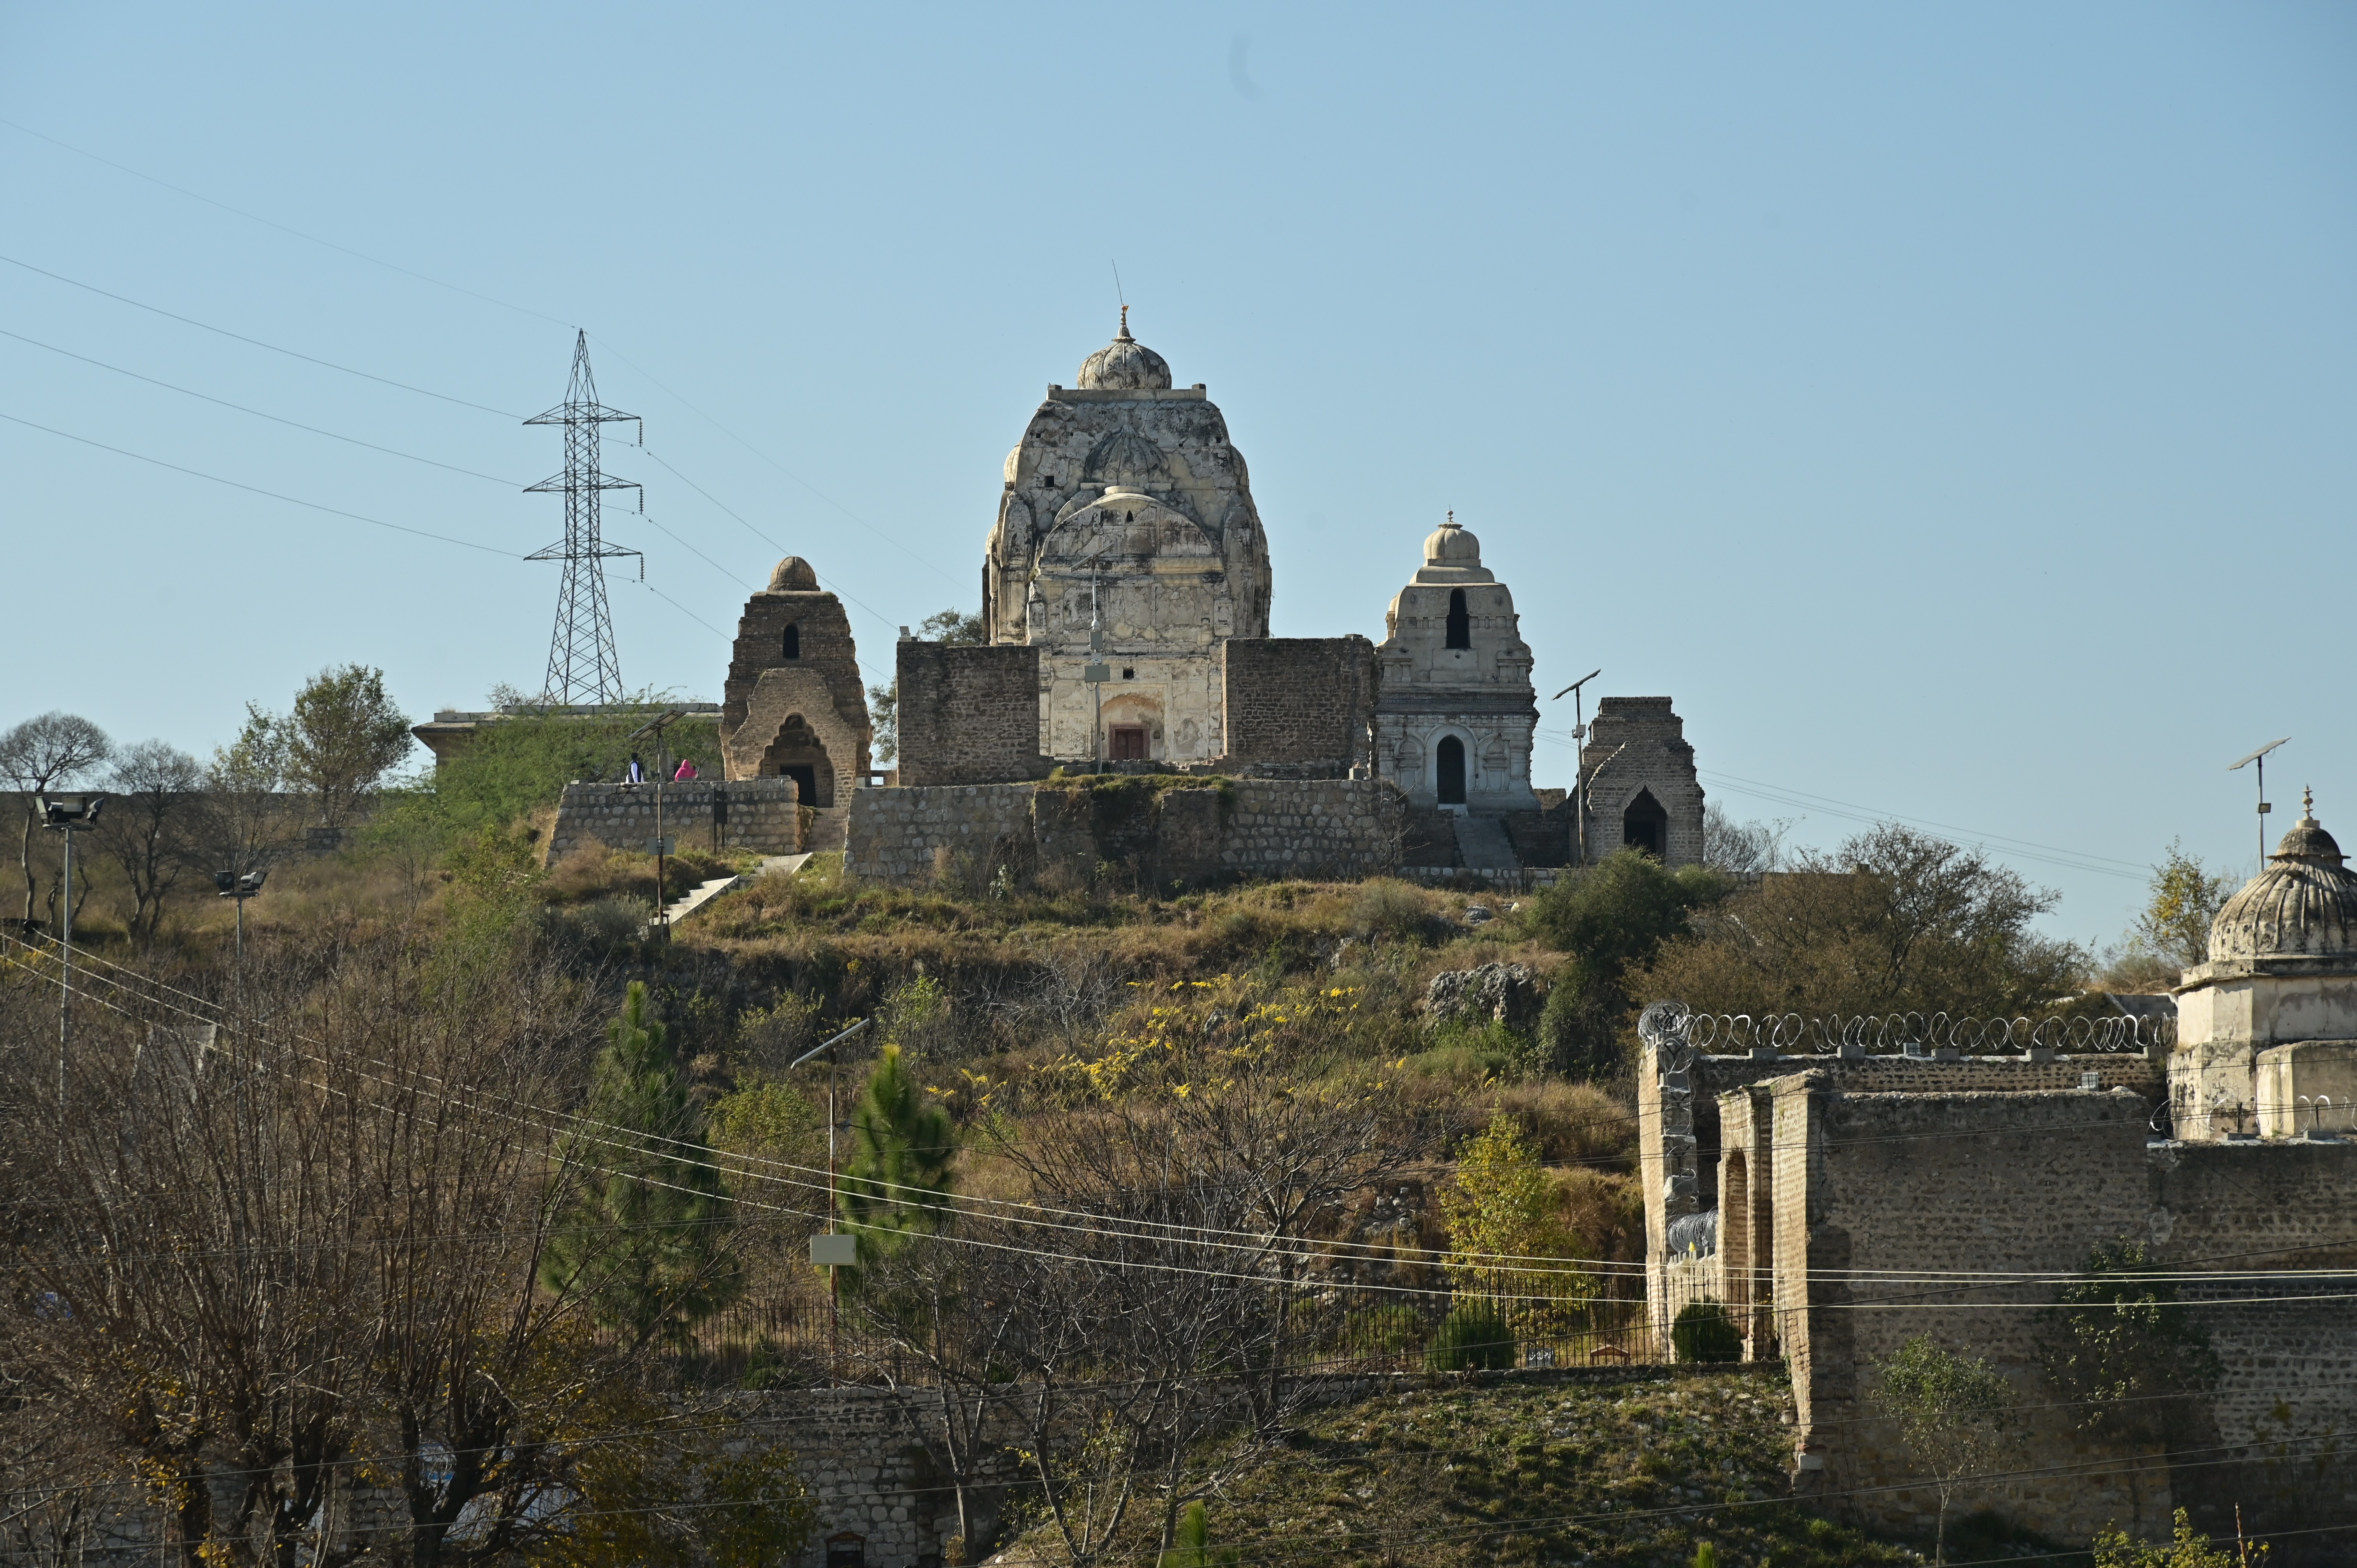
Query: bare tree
[41,754]
[153,788]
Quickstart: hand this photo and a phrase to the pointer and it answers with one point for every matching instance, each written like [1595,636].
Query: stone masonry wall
[1298,700]
[968,714]
[756,815]
[1899,1188]
[1339,828]
[1240,828]
[899,836]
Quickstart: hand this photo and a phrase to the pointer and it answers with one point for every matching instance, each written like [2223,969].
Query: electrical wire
[257,489]
[274,419]
[258,343]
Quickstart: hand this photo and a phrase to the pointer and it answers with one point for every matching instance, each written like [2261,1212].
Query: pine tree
[646,1238]
[898,1183]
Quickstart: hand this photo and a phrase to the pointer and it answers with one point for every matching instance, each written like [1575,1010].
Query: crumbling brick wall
[1298,700]
[968,713]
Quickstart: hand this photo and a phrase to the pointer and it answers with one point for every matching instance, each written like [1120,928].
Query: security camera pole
[67,814]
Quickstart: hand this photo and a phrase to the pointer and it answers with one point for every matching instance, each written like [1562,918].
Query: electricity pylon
[582,664]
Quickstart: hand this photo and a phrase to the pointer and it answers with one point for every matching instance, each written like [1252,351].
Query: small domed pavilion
[2267,1027]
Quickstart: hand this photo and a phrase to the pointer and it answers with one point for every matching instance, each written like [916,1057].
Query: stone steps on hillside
[1482,843]
[704,893]
[831,831]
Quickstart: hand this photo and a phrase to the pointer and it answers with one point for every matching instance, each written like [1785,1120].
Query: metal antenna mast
[582,664]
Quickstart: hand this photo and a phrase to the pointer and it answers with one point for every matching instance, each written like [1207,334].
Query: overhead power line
[257,489]
[258,413]
[256,342]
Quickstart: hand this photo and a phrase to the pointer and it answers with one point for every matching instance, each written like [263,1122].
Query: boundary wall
[762,816]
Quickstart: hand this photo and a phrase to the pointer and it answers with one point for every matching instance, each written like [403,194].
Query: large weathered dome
[794,576]
[1451,554]
[2304,905]
[1125,364]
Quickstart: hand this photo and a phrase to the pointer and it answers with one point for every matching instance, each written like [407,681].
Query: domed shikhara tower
[1128,512]
[2267,1028]
[1454,709]
[793,706]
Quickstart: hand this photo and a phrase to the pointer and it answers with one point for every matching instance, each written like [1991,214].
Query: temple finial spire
[1124,322]
[2306,803]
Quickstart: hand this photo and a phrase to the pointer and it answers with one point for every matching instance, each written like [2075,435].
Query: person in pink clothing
[686,771]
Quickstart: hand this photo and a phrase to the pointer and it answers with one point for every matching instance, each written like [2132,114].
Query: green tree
[646,1237]
[1612,918]
[2115,1548]
[1893,920]
[1957,1416]
[1190,1543]
[1504,1215]
[1705,1332]
[344,735]
[2173,926]
[897,1183]
[2120,1346]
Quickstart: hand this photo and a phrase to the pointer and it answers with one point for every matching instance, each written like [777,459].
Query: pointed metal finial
[1124,322]
[2306,803]
[1452,518]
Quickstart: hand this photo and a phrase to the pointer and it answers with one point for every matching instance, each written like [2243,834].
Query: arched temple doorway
[1448,758]
[798,753]
[1646,826]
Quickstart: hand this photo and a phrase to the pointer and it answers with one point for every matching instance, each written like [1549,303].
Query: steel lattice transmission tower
[582,664]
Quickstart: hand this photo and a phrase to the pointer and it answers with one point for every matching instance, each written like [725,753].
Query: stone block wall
[760,815]
[902,835]
[1226,828]
[1339,828]
[1298,700]
[968,714]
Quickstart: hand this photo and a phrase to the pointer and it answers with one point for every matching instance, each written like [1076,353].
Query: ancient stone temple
[1640,785]
[2266,1040]
[1126,543]
[1455,709]
[793,706]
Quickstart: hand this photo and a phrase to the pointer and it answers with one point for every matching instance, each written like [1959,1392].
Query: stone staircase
[831,831]
[704,893]
[1482,843]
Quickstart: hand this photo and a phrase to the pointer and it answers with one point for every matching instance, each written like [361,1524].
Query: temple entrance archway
[798,753]
[1449,758]
[1646,826]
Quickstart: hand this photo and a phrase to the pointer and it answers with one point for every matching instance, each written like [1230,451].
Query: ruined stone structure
[1642,788]
[1455,713]
[2267,1028]
[793,706]
[1125,596]
[1126,538]
[1840,1205]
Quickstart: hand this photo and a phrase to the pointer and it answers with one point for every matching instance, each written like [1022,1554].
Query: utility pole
[1579,756]
[233,886]
[67,814]
[582,664]
[2260,756]
[655,726]
[1095,672]
[833,1250]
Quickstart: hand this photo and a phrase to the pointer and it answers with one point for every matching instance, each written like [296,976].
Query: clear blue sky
[1950,407]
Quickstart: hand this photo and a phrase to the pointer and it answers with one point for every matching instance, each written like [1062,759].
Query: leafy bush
[1383,1331]
[1704,1332]
[1472,1338]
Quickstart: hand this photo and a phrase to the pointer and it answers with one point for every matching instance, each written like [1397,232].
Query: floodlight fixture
[69,815]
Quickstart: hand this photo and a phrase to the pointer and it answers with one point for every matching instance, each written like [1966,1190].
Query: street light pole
[239,887]
[67,814]
[1578,758]
[661,922]
[2260,756]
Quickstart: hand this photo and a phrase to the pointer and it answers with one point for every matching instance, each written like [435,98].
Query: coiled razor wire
[1671,1027]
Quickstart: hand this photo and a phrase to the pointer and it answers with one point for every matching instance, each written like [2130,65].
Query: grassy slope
[1530,1469]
